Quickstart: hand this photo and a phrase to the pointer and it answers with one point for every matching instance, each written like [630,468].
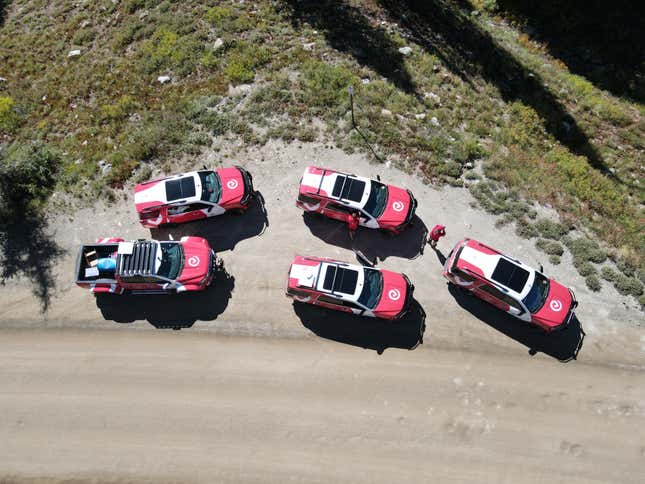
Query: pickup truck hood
[397,207]
[197,261]
[394,295]
[556,307]
[232,186]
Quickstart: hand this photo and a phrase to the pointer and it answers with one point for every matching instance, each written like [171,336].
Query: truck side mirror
[541,268]
[204,167]
[378,177]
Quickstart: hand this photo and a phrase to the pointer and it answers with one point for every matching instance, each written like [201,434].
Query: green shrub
[450,168]
[549,247]
[550,230]
[122,167]
[306,134]
[554,259]
[120,110]
[608,110]
[218,15]
[469,150]
[216,123]
[325,85]
[628,285]
[626,267]
[166,49]
[143,174]
[132,6]
[243,60]
[27,177]
[84,36]
[587,185]
[608,274]
[593,282]
[525,229]
[584,267]
[8,117]
[524,126]
[585,250]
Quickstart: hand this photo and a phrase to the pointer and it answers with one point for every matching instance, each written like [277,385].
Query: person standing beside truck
[436,233]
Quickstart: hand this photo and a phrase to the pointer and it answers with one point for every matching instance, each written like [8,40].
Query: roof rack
[322,179]
[141,262]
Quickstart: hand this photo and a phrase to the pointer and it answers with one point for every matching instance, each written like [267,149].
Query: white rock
[107,168]
[405,50]
[420,116]
[74,53]
[386,112]
[218,44]
[433,96]
[434,121]
[308,46]
[2,79]
[365,80]
[242,89]
[163,79]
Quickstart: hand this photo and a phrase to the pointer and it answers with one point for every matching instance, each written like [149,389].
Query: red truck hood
[395,291]
[556,307]
[232,186]
[397,207]
[197,261]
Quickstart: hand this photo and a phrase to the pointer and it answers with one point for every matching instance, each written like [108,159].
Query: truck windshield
[534,300]
[377,200]
[172,258]
[372,288]
[211,186]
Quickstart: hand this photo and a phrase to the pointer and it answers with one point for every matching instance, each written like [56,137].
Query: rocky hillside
[94,95]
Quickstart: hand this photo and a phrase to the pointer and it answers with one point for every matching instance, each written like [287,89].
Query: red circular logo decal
[398,206]
[193,261]
[555,305]
[232,184]
[394,294]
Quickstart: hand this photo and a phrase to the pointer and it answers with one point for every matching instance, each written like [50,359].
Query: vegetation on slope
[474,101]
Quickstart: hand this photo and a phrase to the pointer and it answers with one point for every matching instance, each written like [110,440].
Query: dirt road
[159,407]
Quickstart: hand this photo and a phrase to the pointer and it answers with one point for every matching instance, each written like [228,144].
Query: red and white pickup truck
[115,266]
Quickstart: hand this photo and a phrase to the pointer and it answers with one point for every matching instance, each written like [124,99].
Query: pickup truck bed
[95,251]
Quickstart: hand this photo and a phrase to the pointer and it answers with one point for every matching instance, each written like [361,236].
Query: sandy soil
[257,257]
[254,389]
[164,407]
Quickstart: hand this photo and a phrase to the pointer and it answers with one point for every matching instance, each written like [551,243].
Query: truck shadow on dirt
[172,311]
[363,332]
[372,243]
[564,345]
[224,231]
